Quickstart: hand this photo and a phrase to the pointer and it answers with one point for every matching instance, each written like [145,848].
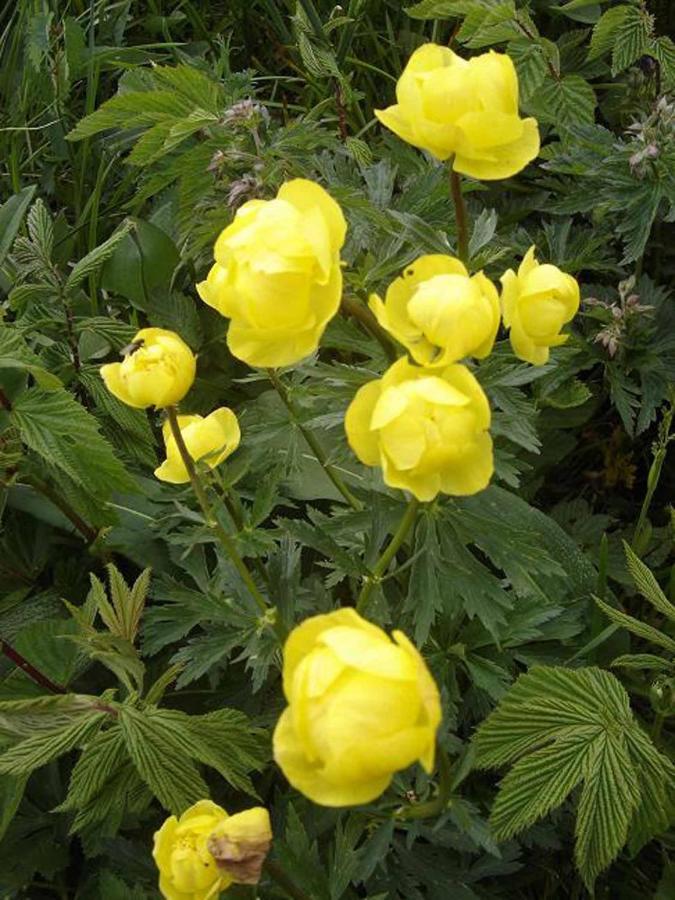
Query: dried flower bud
[240,844]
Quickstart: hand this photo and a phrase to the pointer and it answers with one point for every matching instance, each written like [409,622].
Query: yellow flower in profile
[360,708]
[536,303]
[438,312]
[277,274]
[158,370]
[211,439]
[426,428]
[467,109]
[189,869]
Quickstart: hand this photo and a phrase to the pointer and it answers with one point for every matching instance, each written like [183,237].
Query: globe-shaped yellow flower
[536,303]
[360,707]
[426,428]
[158,370]
[211,439]
[188,870]
[277,274]
[467,109]
[438,312]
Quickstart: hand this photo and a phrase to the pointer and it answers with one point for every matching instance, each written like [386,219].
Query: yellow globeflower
[360,708]
[536,303]
[277,274]
[189,869]
[427,429]
[438,312]
[158,370]
[211,439]
[463,108]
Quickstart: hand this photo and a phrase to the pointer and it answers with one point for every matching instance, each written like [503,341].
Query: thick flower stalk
[210,439]
[183,851]
[360,708]
[277,274]
[438,312]
[465,109]
[426,428]
[536,303]
[157,370]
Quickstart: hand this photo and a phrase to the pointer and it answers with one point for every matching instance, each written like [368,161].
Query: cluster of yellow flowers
[361,706]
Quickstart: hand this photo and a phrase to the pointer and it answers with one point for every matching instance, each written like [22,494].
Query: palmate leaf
[647,584]
[562,728]
[36,751]
[101,759]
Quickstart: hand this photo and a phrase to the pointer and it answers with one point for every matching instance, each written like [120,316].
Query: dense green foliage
[137,673]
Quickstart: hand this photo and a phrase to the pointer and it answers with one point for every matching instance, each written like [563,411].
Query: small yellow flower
[183,851]
[361,707]
[438,312]
[158,370]
[427,429]
[211,439]
[277,274]
[536,303]
[187,869]
[463,108]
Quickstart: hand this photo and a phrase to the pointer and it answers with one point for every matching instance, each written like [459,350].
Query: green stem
[660,450]
[460,216]
[440,802]
[353,307]
[87,531]
[387,555]
[315,446]
[212,520]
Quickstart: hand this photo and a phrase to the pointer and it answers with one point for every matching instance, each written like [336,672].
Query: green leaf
[608,800]
[100,760]
[15,354]
[636,627]
[604,32]
[642,661]
[64,434]
[36,751]
[565,727]
[440,9]
[531,61]
[11,794]
[631,38]
[93,261]
[647,584]
[569,100]
[12,213]
[131,110]
[160,757]
[141,264]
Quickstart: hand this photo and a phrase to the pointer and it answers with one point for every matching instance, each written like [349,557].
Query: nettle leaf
[101,759]
[604,32]
[36,751]
[569,100]
[562,728]
[93,261]
[16,354]
[631,38]
[64,434]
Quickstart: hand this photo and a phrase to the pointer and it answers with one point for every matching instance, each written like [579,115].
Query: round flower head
[360,708]
[187,869]
[277,274]
[211,439]
[467,109]
[426,428]
[158,370]
[536,303]
[438,312]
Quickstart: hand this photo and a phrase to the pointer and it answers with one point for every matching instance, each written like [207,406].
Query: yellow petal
[463,380]
[529,263]
[251,825]
[508,159]
[363,441]
[304,638]
[172,470]
[473,472]
[305,195]
[112,378]
[359,649]
[424,487]
[389,406]
[163,842]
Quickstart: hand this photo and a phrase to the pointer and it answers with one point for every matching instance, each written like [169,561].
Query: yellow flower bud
[536,303]
[427,429]
[360,707]
[463,108]
[211,439]
[240,844]
[277,274]
[438,312]
[187,869]
[158,370]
